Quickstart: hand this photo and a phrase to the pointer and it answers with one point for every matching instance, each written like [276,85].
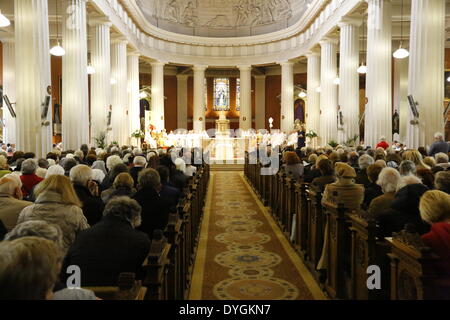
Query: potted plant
[311,135]
[138,135]
[100,140]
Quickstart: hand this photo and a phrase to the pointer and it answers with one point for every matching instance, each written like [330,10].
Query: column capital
[199,67]
[286,63]
[133,53]
[328,40]
[182,76]
[8,40]
[119,40]
[244,67]
[157,63]
[312,53]
[99,21]
[355,21]
[259,76]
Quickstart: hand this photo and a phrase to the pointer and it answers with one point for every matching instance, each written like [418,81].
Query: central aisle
[242,254]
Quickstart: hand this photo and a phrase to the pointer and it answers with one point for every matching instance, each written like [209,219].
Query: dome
[222,18]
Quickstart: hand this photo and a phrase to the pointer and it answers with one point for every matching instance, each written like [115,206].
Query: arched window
[221,94]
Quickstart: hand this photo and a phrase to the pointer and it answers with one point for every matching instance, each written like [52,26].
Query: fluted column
[260,102]
[313,98]
[101,79]
[401,95]
[199,96]
[9,89]
[158,95]
[287,96]
[245,119]
[349,78]
[134,108]
[378,116]
[329,91]
[32,76]
[426,67]
[75,117]
[119,119]
[182,92]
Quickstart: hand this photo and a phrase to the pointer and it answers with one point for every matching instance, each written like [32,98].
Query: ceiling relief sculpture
[223,18]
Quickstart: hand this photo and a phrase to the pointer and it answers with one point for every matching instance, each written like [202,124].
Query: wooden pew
[127,289]
[413,269]
[174,237]
[367,250]
[302,217]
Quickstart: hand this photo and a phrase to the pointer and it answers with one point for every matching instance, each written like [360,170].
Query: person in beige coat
[57,203]
[388,181]
[11,203]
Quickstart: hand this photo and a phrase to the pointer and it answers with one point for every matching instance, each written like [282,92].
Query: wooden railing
[407,267]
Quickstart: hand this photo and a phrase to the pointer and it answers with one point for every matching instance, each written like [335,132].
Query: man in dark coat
[155,209]
[110,247]
[168,192]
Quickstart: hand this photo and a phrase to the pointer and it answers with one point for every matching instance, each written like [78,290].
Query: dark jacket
[178,179]
[155,210]
[404,209]
[134,172]
[362,178]
[438,146]
[311,174]
[171,195]
[371,192]
[104,251]
[92,206]
[319,183]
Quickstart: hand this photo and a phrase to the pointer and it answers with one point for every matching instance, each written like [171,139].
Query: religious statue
[395,123]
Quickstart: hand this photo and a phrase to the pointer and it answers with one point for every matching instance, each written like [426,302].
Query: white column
[426,67]
[401,95]
[287,96]
[182,91]
[245,119]
[75,116]
[349,76]
[9,89]
[101,79]
[378,116]
[313,99]
[32,76]
[119,119]
[158,95]
[329,91]
[134,108]
[260,102]
[199,96]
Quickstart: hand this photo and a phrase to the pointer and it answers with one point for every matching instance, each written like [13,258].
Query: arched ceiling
[222,18]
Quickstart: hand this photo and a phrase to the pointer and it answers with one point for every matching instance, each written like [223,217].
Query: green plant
[311,134]
[352,141]
[333,144]
[100,140]
[138,134]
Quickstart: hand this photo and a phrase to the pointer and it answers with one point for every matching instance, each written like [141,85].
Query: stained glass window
[221,94]
[238,94]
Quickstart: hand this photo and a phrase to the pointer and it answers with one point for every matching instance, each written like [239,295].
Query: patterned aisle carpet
[242,254]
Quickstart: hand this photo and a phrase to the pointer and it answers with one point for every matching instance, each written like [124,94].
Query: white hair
[388,180]
[69,156]
[383,138]
[151,154]
[365,161]
[180,165]
[439,136]
[51,162]
[112,161]
[54,170]
[140,161]
[80,174]
[98,175]
[137,151]
[441,157]
[381,163]
[29,166]
[407,180]
[79,154]
[9,183]
[126,157]
[41,172]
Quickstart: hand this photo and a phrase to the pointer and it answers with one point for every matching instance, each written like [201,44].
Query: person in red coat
[29,178]
[383,144]
[435,209]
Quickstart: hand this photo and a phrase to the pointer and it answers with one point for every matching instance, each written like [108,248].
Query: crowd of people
[397,188]
[96,209]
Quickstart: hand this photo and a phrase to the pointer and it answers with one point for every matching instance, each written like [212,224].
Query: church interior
[224,150]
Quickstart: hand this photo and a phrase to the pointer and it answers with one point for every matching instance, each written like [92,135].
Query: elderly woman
[442,181]
[57,203]
[442,160]
[178,178]
[29,178]
[4,167]
[435,209]
[364,162]
[388,180]
[54,170]
[37,258]
[292,165]
[327,175]
[112,174]
[123,186]
[139,163]
[118,246]
[407,167]
[416,157]
[88,193]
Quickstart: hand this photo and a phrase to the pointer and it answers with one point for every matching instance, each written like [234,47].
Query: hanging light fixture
[448,79]
[401,53]
[302,95]
[4,21]
[337,81]
[362,68]
[90,69]
[57,50]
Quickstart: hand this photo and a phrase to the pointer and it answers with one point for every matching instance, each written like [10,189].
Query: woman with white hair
[388,180]
[118,246]
[364,162]
[29,178]
[88,193]
[442,160]
[11,203]
[112,161]
[54,170]
[178,178]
